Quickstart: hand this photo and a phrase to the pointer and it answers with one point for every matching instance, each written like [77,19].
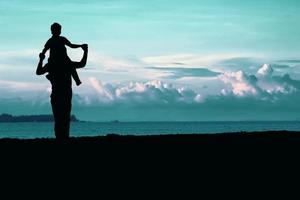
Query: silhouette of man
[61,96]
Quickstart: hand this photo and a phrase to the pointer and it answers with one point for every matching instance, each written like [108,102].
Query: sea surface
[45,130]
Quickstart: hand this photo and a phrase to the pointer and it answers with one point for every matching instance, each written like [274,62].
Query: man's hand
[82,63]
[84,47]
[40,69]
[42,56]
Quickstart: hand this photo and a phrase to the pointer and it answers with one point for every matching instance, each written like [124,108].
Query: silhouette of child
[58,51]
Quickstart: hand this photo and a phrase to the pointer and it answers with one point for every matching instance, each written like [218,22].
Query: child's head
[56,29]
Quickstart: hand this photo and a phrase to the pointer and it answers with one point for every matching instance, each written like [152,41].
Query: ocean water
[45,130]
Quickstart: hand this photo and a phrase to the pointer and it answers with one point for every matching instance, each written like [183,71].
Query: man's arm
[83,61]
[40,70]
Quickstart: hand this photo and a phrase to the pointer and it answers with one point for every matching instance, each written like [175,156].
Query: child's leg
[76,77]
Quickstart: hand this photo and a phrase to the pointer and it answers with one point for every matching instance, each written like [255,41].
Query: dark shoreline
[248,137]
[192,144]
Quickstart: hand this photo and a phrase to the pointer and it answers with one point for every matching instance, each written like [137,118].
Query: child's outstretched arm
[69,44]
[45,50]
[46,47]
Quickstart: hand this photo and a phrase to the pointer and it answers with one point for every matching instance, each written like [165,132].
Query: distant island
[114,121]
[31,118]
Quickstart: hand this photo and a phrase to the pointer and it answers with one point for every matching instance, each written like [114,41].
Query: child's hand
[42,56]
[84,47]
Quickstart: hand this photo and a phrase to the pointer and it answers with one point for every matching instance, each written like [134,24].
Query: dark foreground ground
[222,160]
[235,147]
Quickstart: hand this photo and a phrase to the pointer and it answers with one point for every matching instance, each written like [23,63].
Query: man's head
[55,29]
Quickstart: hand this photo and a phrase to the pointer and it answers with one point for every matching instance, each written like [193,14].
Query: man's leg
[65,114]
[61,108]
[57,117]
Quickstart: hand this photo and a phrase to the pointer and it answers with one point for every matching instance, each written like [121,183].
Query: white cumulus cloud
[265,70]
[241,84]
[238,83]
[154,91]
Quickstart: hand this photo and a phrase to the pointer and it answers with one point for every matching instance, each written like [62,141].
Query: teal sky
[157,27]
[183,57]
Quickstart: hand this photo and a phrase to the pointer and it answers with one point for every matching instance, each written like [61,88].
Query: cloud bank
[260,96]
[165,88]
